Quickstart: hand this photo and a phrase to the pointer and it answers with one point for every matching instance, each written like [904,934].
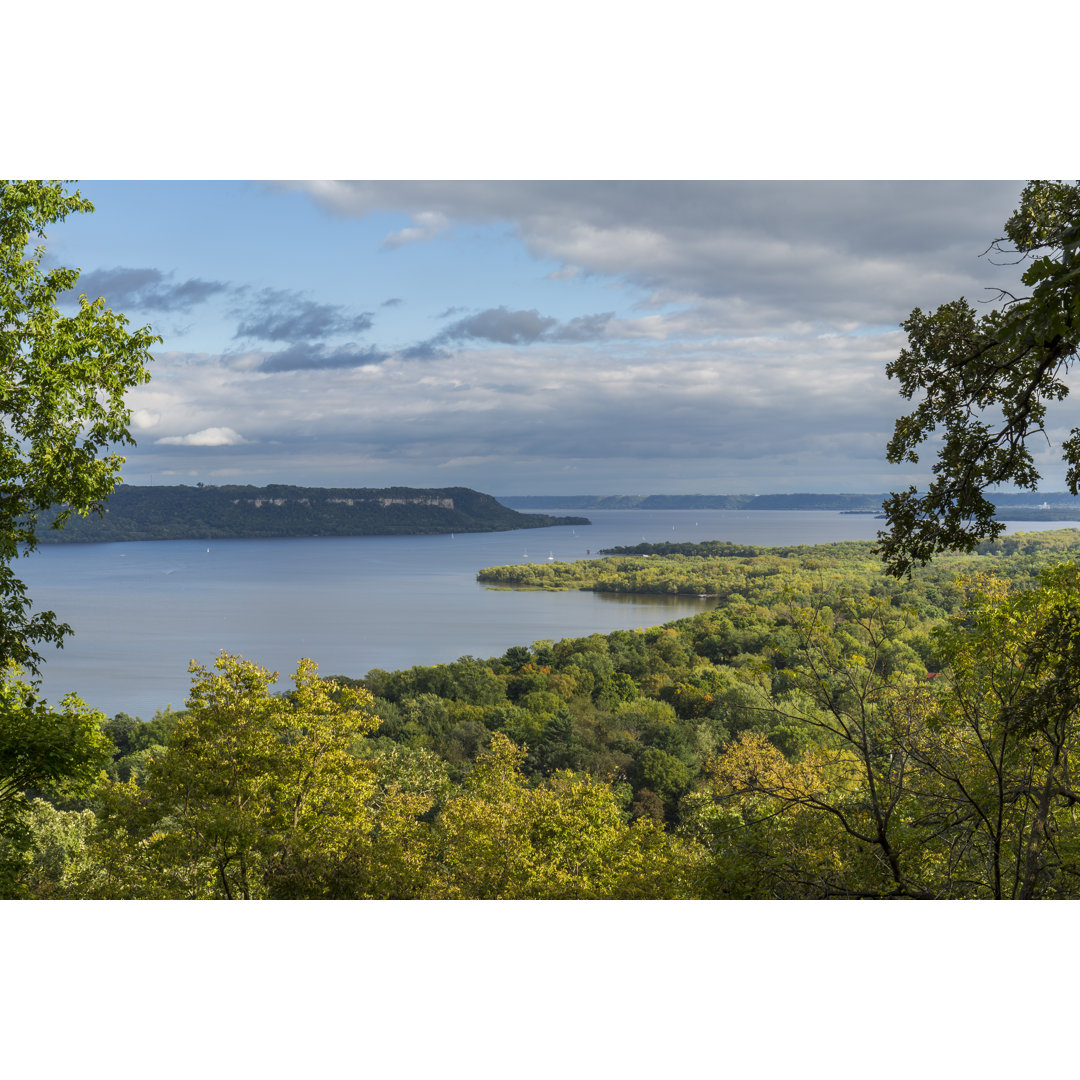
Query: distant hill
[209,512]
[694,502]
[1023,506]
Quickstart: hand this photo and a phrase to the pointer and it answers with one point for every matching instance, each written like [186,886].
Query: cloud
[752,413]
[423,351]
[498,324]
[583,328]
[310,357]
[428,225]
[284,315]
[144,419]
[214,436]
[144,287]
[505,327]
[394,301]
[823,252]
[747,351]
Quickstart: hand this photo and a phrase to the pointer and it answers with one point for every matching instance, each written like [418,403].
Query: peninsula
[209,512]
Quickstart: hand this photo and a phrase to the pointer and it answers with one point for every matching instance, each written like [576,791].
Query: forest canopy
[825,730]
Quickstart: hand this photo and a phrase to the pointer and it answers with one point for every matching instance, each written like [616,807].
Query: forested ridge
[208,512]
[826,731]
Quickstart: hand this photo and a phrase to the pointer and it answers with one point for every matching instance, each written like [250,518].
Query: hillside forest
[219,512]
[825,731]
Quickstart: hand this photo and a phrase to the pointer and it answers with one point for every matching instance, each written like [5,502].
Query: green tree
[959,787]
[57,857]
[834,819]
[497,837]
[59,753]
[62,384]
[250,788]
[985,380]
[996,753]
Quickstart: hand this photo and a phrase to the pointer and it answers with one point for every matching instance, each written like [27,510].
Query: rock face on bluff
[212,513]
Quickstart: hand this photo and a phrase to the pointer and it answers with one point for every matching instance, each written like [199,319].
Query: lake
[142,611]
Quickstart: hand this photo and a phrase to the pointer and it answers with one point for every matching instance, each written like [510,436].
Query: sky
[529,337]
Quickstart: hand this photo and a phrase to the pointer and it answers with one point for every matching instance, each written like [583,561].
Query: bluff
[208,512]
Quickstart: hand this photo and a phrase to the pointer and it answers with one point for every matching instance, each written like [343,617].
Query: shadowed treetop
[985,381]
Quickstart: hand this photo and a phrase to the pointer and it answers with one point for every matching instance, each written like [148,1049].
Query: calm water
[142,611]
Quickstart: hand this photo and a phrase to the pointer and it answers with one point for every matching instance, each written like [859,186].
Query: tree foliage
[961,787]
[249,782]
[985,382]
[56,752]
[62,384]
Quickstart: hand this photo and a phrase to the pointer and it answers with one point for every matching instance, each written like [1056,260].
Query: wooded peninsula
[208,512]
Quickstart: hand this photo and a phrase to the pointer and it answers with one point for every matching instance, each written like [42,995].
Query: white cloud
[144,419]
[427,226]
[214,436]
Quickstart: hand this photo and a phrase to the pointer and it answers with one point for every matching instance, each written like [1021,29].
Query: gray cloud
[283,315]
[423,351]
[583,328]
[394,301]
[752,414]
[498,324]
[145,287]
[312,357]
[505,327]
[822,251]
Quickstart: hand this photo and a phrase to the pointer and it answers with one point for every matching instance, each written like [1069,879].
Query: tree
[995,755]
[55,752]
[62,385]
[956,787]
[251,788]
[498,837]
[834,820]
[986,381]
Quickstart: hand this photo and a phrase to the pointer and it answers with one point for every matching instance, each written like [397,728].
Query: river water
[142,611]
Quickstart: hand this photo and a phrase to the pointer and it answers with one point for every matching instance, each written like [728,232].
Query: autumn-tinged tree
[960,787]
[834,820]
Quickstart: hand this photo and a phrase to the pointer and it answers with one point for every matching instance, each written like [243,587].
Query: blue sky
[528,337]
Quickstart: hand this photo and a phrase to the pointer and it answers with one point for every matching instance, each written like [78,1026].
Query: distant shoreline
[1024,506]
[244,512]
